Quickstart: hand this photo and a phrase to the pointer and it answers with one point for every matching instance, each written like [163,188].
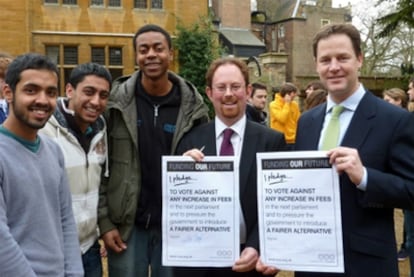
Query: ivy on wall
[197,47]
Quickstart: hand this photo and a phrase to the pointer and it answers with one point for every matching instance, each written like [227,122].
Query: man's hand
[113,240]
[347,160]
[196,154]
[247,261]
[266,269]
[287,98]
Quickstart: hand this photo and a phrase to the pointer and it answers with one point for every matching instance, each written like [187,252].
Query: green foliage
[197,48]
[407,69]
[403,15]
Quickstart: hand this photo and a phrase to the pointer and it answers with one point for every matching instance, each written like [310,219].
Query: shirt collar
[237,127]
[351,103]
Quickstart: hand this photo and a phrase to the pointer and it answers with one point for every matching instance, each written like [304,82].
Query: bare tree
[383,56]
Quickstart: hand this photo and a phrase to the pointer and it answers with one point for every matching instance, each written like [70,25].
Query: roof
[241,37]
[284,10]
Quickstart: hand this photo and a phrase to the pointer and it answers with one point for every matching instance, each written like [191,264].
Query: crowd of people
[81,175]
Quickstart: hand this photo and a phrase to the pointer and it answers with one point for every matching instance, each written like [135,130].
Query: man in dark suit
[374,155]
[228,89]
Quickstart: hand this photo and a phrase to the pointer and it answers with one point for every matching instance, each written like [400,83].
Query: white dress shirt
[237,142]
[350,105]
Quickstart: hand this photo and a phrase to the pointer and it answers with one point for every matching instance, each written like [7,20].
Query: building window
[143,4]
[114,3]
[61,2]
[53,53]
[70,55]
[156,4]
[66,58]
[325,22]
[274,40]
[97,2]
[140,4]
[98,55]
[106,3]
[281,31]
[115,56]
[110,57]
[70,2]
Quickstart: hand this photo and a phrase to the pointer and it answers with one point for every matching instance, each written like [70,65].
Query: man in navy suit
[228,89]
[374,156]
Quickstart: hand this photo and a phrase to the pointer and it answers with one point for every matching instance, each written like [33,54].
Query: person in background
[409,214]
[148,113]
[399,98]
[396,96]
[228,89]
[37,229]
[315,98]
[79,129]
[410,93]
[284,113]
[5,60]
[313,86]
[256,104]
[375,164]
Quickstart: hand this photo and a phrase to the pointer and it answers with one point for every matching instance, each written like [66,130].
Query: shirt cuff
[363,185]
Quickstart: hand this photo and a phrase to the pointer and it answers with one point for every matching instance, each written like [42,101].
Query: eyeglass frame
[234,87]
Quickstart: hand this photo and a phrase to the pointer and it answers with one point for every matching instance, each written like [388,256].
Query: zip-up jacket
[83,169]
[284,117]
[119,193]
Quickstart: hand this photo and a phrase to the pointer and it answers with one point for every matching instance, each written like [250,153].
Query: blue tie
[2,115]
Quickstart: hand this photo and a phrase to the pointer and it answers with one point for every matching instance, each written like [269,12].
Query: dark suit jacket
[257,138]
[384,137]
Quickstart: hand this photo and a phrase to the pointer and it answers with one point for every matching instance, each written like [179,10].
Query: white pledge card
[200,211]
[299,210]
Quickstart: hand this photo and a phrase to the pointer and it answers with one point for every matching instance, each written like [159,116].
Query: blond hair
[397,94]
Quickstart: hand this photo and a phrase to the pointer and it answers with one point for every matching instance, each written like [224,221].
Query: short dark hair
[287,88]
[25,62]
[256,86]
[152,28]
[411,80]
[338,29]
[227,60]
[79,73]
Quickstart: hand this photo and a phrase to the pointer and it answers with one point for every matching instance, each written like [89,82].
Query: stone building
[288,26]
[232,19]
[77,31]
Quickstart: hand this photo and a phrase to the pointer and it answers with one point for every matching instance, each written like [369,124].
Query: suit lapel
[361,123]
[312,129]
[249,150]
[209,139]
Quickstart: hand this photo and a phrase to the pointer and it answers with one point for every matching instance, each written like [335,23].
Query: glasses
[236,87]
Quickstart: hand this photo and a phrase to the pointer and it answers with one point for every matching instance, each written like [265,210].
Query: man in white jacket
[79,129]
